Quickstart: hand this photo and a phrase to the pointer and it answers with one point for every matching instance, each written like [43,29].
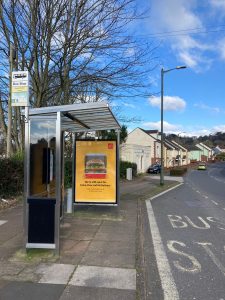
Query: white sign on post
[20,88]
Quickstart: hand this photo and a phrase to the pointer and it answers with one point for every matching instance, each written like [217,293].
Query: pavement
[105,253]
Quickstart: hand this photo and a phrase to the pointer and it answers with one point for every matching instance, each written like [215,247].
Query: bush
[123,168]
[68,173]
[178,171]
[11,176]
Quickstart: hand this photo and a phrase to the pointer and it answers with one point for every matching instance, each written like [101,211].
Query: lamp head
[181,67]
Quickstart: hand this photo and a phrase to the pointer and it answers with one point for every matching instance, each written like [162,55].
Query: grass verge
[159,189]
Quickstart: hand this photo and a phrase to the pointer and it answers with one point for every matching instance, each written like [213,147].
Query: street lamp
[162,137]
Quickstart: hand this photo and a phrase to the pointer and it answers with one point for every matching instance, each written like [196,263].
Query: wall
[141,155]
[194,155]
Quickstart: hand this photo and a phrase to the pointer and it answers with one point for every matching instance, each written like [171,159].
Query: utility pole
[12,58]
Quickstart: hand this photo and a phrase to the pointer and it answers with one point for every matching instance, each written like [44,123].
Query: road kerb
[164,192]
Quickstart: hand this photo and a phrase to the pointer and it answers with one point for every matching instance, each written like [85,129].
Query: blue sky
[191,33]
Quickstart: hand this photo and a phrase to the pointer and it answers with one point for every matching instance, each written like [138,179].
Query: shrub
[178,171]
[68,173]
[11,176]
[123,168]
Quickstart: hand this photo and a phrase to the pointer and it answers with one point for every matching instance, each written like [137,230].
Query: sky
[190,33]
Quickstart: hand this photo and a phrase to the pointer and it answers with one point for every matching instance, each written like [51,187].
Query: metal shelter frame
[84,117]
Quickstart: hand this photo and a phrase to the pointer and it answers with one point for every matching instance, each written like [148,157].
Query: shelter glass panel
[42,158]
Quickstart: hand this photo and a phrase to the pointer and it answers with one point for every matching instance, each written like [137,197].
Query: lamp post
[179,156]
[162,137]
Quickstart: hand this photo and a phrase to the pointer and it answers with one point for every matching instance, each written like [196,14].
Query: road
[188,230]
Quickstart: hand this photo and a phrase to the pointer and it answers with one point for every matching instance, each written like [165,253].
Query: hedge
[178,171]
[68,173]
[11,176]
[123,168]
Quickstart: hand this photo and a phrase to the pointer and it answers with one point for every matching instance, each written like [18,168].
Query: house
[170,154]
[218,149]
[143,147]
[138,148]
[206,152]
[182,157]
[194,153]
[139,154]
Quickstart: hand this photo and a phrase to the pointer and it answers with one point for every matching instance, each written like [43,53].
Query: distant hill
[211,140]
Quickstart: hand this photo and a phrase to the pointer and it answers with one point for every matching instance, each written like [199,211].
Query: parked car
[154,169]
[202,166]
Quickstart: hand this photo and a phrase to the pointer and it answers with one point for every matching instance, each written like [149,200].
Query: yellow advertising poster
[95,178]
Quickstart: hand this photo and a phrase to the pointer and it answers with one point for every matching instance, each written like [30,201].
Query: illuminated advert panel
[95,172]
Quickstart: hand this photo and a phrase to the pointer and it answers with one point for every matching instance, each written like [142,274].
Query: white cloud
[190,131]
[175,16]
[128,105]
[219,128]
[218,4]
[201,131]
[207,107]
[169,103]
[221,48]
[178,19]
[167,127]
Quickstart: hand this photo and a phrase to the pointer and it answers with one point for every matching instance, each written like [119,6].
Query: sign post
[20,88]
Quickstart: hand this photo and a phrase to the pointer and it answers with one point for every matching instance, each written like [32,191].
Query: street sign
[20,88]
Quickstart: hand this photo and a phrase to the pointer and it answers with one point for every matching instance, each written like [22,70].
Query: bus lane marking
[195,266]
[185,221]
[167,280]
[190,264]
[212,256]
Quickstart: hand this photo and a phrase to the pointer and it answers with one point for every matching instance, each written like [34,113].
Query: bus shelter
[44,164]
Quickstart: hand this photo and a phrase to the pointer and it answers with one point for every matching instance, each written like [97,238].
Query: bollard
[129,173]
[69,208]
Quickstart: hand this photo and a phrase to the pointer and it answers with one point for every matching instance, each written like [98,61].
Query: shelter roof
[80,117]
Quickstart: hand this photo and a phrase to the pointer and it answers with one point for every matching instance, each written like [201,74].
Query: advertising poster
[95,172]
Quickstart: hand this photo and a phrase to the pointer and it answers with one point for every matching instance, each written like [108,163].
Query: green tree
[111,134]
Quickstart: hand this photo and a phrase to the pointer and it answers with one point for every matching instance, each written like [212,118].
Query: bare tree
[74,50]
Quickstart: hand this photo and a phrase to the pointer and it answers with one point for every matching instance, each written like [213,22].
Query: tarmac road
[187,226]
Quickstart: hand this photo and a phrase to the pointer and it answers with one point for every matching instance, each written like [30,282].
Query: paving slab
[6,253]
[87,293]
[114,236]
[120,247]
[81,235]
[55,273]
[91,276]
[107,259]
[74,254]
[28,291]
[10,269]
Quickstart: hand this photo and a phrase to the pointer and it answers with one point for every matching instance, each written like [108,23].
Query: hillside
[211,140]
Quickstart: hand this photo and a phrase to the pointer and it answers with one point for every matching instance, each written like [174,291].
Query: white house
[138,148]
[141,155]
